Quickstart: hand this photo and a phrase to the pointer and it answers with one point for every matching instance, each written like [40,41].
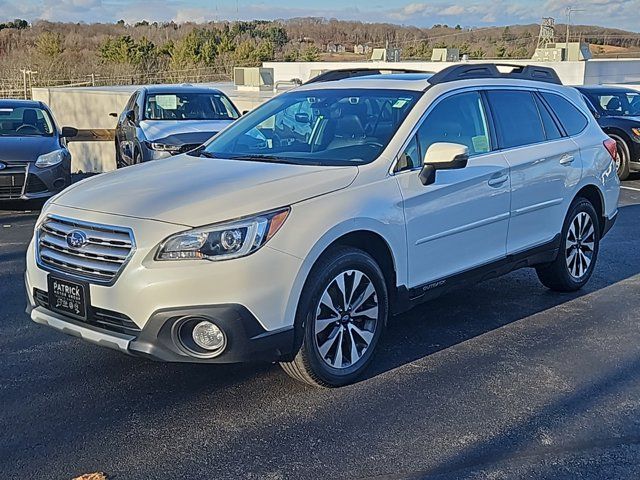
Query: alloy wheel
[346,319]
[580,245]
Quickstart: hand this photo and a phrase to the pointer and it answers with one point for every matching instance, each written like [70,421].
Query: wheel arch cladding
[594,195]
[369,242]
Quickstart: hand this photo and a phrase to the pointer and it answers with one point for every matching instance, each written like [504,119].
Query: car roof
[391,81]
[420,82]
[20,104]
[604,89]
[179,88]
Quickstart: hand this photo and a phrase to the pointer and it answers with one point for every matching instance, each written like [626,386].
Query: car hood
[159,130]
[26,148]
[196,191]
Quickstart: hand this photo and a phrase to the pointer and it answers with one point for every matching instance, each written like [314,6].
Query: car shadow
[474,310]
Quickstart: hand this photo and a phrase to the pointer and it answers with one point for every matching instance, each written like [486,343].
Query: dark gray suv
[164,120]
[34,159]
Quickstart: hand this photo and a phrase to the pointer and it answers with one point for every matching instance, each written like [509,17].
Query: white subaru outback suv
[295,233]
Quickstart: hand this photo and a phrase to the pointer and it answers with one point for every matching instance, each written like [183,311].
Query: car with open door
[164,120]
[264,245]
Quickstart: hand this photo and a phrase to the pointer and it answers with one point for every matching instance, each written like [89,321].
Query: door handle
[567,159]
[497,181]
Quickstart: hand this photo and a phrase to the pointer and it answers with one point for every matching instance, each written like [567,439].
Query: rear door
[544,165]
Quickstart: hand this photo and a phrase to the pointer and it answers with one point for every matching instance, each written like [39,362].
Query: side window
[571,118]
[550,128]
[410,158]
[457,119]
[516,116]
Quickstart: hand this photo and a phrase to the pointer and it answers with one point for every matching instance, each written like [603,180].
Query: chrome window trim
[82,223]
[450,93]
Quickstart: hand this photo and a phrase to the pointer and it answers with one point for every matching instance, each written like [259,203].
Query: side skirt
[409,298]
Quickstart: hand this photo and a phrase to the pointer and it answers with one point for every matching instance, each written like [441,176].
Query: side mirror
[131,116]
[443,156]
[69,132]
[302,118]
[113,114]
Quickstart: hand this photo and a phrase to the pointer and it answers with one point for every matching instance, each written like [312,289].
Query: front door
[459,222]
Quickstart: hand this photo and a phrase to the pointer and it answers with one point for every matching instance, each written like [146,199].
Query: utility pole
[569,11]
[26,72]
[24,82]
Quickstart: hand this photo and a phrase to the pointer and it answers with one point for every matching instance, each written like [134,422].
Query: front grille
[100,259]
[35,185]
[12,179]
[98,317]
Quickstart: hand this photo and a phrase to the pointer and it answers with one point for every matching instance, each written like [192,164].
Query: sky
[622,14]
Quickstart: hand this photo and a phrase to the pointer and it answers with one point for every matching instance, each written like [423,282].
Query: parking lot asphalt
[502,380]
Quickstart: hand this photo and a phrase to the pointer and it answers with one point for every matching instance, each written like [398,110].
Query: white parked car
[268,245]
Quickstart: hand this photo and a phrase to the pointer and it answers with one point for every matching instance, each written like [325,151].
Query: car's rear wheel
[623,158]
[342,312]
[580,243]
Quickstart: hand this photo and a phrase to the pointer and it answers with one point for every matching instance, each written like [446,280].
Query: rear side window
[516,116]
[570,117]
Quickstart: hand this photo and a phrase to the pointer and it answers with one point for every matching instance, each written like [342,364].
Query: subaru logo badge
[3,165]
[76,239]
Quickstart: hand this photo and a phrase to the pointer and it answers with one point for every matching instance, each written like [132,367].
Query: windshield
[189,106]
[319,127]
[25,122]
[619,104]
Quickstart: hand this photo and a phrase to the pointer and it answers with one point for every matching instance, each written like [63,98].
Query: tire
[329,330]
[624,157]
[137,157]
[579,247]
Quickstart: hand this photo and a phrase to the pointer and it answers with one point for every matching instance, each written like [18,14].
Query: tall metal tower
[547,32]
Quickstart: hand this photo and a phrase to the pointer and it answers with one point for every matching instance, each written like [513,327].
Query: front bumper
[247,296]
[247,341]
[29,182]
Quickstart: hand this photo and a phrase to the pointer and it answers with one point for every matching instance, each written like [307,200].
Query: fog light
[208,336]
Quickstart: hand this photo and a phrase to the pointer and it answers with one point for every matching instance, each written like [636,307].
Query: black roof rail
[341,74]
[490,70]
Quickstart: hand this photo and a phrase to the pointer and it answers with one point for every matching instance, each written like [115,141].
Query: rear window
[516,116]
[570,117]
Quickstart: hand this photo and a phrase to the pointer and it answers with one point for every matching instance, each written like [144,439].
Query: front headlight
[223,241]
[52,158]
[162,147]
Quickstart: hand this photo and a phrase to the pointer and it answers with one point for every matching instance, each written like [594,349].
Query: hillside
[64,53]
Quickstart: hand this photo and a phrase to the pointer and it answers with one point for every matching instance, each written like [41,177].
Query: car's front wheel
[580,243]
[342,312]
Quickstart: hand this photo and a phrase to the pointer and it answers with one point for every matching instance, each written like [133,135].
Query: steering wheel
[374,144]
[30,127]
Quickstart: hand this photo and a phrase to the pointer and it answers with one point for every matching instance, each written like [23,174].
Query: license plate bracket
[68,297]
